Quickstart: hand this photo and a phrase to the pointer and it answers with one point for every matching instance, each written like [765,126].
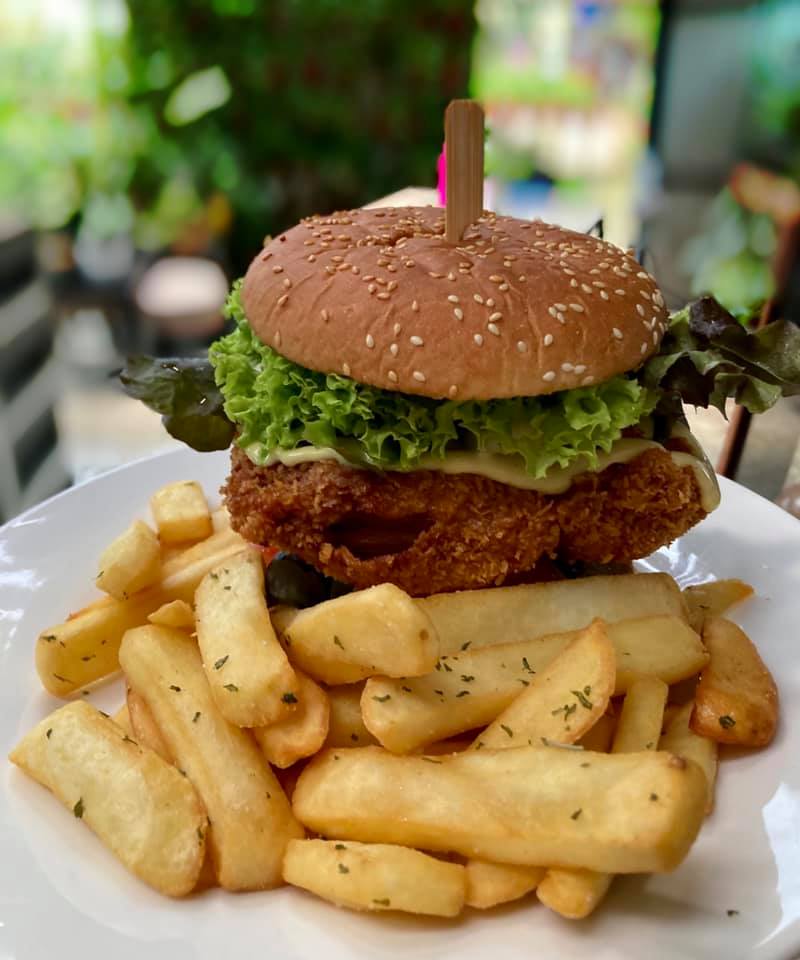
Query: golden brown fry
[250,676]
[639,724]
[181,512]
[626,813]
[564,700]
[346,725]
[714,598]
[251,821]
[376,876]
[144,727]
[130,563]
[502,615]
[176,613]
[123,720]
[736,700]
[663,647]
[141,808]
[301,733]
[489,884]
[85,648]
[573,894]
[679,738]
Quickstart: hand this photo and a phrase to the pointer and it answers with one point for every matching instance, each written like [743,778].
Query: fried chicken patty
[430,532]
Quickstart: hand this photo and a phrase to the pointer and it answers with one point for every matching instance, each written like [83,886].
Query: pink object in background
[441,171]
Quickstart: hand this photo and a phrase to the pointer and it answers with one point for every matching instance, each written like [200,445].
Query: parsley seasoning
[525,683]
[343,868]
[386,902]
[196,717]
[289,698]
[447,667]
[467,678]
[732,913]
[431,760]
[406,689]
[354,737]
[653,797]
[526,666]
[464,646]
[340,846]
[583,697]
[127,739]
[200,835]
[576,813]
[49,733]
[384,698]
[232,687]
[104,714]
[62,679]
[88,657]
[462,693]
[78,809]
[726,722]
[48,637]
[508,730]
[218,664]
[439,692]
[338,642]
[214,576]
[177,689]
[586,765]
[227,588]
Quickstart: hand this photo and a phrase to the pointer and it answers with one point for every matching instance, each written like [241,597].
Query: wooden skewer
[463,136]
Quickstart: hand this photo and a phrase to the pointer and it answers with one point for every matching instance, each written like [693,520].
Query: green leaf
[277,404]
[707,356]
[183,391]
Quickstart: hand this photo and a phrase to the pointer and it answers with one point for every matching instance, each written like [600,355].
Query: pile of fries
[468,748]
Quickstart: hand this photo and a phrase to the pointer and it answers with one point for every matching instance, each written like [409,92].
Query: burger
[450,416]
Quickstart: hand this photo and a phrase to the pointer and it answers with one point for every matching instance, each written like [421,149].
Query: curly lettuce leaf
[707,356]
[277,404]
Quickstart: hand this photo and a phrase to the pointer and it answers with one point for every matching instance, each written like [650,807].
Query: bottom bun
[430,532]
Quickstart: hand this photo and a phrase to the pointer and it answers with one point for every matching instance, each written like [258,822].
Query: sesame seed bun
[518,308]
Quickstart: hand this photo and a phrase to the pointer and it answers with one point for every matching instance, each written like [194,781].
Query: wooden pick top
[463,135]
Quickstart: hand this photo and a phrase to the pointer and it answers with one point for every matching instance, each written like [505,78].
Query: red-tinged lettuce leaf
[183,391]
[707,356]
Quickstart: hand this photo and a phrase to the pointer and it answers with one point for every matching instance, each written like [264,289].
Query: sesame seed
[383,295]
[640,309]
[370,341]
[655,336]
[287,282]
[490,302]
[561,306]
[410,263]
[436,276]
[642,275]
[337,259]
[392,376]
[453,298]
[458,313]
[372,288]
[569,273]
[503,287]
[644,294]
[553,312]
[577,307]
[394,349]
[643,348]
[587,381]
[392,268]
[548,339]
[329,270]
[495,279]
[416,341]
[549,376]
[567,367]
[477,298]
[493,328]
[267,255]
[453,390]
[478,338]
[277,268]
[397,329]
[346,369]
[414,306]
[616,333]
[311,258]
[620,292]
[522,346]
[419,376]
[451,276]
[283,299]
[324,315]
[355,269]
[604,295]
[392,285]
[561,318]
[506,263]
[496,316]
[586,288]
[277,338]
[522,278]
[573,282]
[580,368]
[383,263]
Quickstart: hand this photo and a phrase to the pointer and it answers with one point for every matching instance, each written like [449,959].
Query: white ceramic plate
[62,895]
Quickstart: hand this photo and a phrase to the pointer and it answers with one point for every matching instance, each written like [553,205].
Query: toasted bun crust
[518,308]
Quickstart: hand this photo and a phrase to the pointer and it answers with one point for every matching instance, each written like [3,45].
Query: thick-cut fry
[472,687]
[302,732]
[144,726]
[250,677]
[639,724]
[220,519]
[714,598]
[376,876]
[346,725]
[628,813]
[501,615]
[251,821]
[130,563]
[379,631]
[123,719]
[681,739]
[489,884]
[576,893]
[176,613]
[563,700]
[85,648]
[736,700]
[141,808]
[600,736]
[181,512]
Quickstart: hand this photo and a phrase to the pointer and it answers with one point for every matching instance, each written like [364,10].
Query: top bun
[517,308]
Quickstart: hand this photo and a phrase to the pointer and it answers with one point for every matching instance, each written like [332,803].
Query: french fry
[639,724]
[489,884]
[714,598]
[302,732]
[681,739]
[375,876]
[130,563]
[405,714]
[626,813]
[144,726]
[736,700]
[181,512]
[370,632]
[141,808]
[346,725]
[176,613]
[564,700]
[85,648]
[251,821]
[220,519]
[575,894]
[123,720]
[599,737]
[502,615]
[250,677]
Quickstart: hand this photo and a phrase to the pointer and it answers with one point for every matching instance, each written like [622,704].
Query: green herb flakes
[218,664]
[78,809]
